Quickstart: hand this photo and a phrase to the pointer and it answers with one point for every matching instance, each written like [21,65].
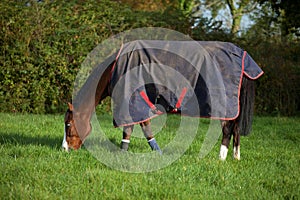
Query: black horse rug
[196,79]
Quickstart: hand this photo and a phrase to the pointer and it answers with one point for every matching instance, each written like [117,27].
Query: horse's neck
[102,90]
[100,93]
[87,107]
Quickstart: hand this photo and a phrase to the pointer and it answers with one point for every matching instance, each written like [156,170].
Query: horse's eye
[68,124]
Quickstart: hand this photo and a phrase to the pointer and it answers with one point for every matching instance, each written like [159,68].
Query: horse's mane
[88,94]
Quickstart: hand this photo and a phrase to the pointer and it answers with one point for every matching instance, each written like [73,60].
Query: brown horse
[77,121]
[74,141]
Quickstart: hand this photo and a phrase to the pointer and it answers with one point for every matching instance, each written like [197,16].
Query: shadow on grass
[53,142]
[19,139]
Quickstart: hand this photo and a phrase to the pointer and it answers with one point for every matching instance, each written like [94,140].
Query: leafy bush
[278,90]
[42,46]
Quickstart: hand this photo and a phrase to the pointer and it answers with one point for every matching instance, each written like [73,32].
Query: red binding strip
[147,100]
[115,62]
[183,93]
[150,104]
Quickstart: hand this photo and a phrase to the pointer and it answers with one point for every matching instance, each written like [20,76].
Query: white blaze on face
[64,143]
[223,152]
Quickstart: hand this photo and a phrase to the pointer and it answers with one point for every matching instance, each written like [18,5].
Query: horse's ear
[70,106]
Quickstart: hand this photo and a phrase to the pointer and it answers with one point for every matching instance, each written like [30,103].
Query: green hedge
[278,90]
[43,45]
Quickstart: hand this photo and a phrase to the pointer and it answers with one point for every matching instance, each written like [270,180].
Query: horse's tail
[247,95]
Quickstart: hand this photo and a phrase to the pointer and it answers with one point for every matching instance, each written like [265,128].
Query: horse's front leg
[146,127]
[227,131]
[127,130]
[236,143]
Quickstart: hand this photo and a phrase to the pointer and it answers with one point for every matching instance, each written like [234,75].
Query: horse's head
[71,137]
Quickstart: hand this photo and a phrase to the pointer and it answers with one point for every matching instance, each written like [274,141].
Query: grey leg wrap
[154,146]
[125,145]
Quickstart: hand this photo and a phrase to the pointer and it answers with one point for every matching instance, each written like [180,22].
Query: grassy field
[33,166]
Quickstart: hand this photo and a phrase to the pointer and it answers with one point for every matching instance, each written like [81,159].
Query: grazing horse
[235,109]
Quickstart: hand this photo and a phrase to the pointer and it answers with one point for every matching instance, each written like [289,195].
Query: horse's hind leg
[127,130]
[146,127]
[236,142]
[227,128]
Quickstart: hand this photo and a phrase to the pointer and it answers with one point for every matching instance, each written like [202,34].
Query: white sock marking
[236,153]
[223,152]
[64,143]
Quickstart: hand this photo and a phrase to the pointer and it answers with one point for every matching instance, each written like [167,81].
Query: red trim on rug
[150,104]
[147,100]
[240,86]
[182,95]
[248,76]
[117,57]
[134,123]
[256,77]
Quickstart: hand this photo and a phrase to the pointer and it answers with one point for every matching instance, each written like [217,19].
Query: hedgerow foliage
[278,90]
[42,46]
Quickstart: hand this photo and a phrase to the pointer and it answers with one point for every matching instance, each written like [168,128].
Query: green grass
[34,167]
